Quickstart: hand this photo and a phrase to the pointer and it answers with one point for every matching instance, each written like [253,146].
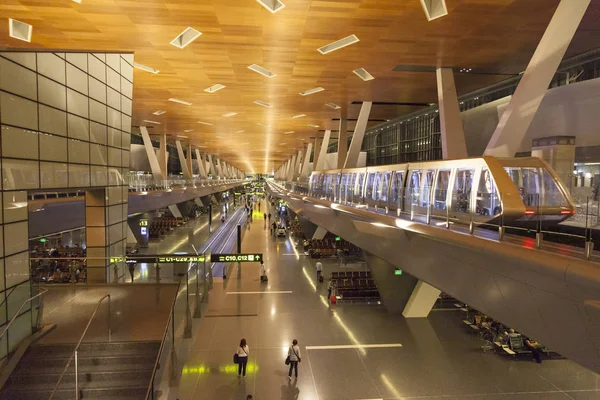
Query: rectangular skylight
[333,105]
[19,30]
[145,68]
[159,112]
[434,8]
[347,41]
[312,126]
[262,103]
[214,88]
[188,130]
[230,114]
[204,123]
[242,131]
[272,5]
[311,91]
[186,37]
[187,103]
[151,122]
[261,70]
[299,116]
[363,74]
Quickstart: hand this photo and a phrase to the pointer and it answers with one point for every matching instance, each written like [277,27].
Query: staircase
[115,370]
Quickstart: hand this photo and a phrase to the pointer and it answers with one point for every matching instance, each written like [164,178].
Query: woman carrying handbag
[242,358]
[293,359]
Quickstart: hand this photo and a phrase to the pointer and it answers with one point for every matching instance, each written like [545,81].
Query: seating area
[162,225]
[328,247]
[354,285]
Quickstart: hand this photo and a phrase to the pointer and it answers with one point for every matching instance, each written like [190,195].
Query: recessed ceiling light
[262,103]
[312,126]
[188,130]
[242,131]
[151,122]
[145,68]
[261,70]
[204,123]
[363,74]
[186,37]
[272,5]
[187,103]
[288,132]
[347,41]
[299,116]
[77,1]
[434,8]
[159,112]
[333,105]
[311,91]
[229,114]
[181,136]
[214,88]
[19,30]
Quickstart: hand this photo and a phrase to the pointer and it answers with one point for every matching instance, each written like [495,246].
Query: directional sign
[160,259]
[255,257]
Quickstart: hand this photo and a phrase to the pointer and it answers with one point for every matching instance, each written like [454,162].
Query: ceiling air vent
[159,112]
[434,8]
[204,123]
[214,88]
[186,37]
[19,30]
[229,114]
[186,103]
[333,105]
[272,5]
[311,91]
[262,103]
[347,41]
[151,122]
[363,74]
[145,68]
[261,70]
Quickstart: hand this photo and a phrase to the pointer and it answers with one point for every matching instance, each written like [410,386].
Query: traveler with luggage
[319,271]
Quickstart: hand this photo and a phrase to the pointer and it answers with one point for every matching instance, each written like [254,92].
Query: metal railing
[19,311]
[74,356]
[170,324]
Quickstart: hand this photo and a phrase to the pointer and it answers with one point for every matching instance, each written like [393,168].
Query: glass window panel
[20,174]
[427,187]
[54,148]
[441,189]
[370,181]
[52,120]
[359,186]
[15,240]
[17,79]
[76,103]
[77,79]
[53,175]
[79,175]
[385,185]
[414,185]
[17,111]
[52,66]
[488,201]
[19,143]
[461,193]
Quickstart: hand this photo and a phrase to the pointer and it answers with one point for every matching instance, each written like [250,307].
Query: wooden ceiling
[492,34]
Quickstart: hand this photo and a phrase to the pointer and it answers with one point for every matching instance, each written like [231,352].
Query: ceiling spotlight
[272,5]
[333,105]
[262,103]
[229,114]
[204,123]
[311,91]
[214,88]
[151,122]
[262,71]
[186,37]
[186,103]
[347,41]
[363,74]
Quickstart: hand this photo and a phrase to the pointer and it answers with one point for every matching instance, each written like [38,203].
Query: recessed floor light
[261,70]
[312,126]
[204,123]
[214,88]
[288,132]
[188,130]
[151,122]
[272,5]
[159,112]
[347,41]
[363,74]
[187,103]
[19,30]
[230,114]
[333,105]
[299,116]
[311,91]
[145,68]
[242,131]
[186,37]
[262,103]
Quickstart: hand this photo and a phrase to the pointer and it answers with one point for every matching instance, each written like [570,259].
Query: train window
[461,193]
[536,187]
[336,187]
[344,187]
[370,190]
[385,185]
[377,187]
[320,187]
[359,186]
[441,189]
[414,185]
[488,201]
[427,187]
[397,185]
[350,197]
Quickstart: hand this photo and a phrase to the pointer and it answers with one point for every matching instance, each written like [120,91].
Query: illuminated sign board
[43,240]
[143,222]
[256,257]
[143,231]
[398,271]
[160,259]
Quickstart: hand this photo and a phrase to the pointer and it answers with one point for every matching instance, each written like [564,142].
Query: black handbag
[236,359]
[287,360]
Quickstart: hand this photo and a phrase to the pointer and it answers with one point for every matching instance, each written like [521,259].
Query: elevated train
[521,191]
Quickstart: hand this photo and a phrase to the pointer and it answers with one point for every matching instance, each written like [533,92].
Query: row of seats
[360,294]
[356,284]
[351,274]
[162,225]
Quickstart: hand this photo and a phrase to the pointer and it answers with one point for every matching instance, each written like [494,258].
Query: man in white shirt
[319,269]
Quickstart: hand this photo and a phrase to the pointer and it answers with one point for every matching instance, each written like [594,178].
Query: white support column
[421,301]
[200,163]
[323,151]
[290,173]
[298,168]
[304,172]
[163,156]
[358,136]
[319,233]
[189,160]
[219,168]
[152,159]
[175,211]
[182,161]
[523,105]
[209,165]
[317,151]
[342,147]
[452,132]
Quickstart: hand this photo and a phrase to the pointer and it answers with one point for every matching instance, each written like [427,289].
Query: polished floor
[349,351]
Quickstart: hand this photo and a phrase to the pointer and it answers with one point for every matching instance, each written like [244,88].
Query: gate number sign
[256,257]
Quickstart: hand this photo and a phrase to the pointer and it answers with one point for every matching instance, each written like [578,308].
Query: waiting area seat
[355,285]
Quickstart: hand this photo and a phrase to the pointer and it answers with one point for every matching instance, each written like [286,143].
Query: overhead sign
[256,257]
[398,271]
[160,259]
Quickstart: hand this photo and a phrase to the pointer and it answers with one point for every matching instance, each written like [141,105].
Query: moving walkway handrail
[77,348]
[19,310]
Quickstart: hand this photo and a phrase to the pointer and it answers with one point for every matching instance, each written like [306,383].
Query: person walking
[319,270]
[329,288]
[263,272]
[242,353]
[294,355]
[269,217]
[132,271]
